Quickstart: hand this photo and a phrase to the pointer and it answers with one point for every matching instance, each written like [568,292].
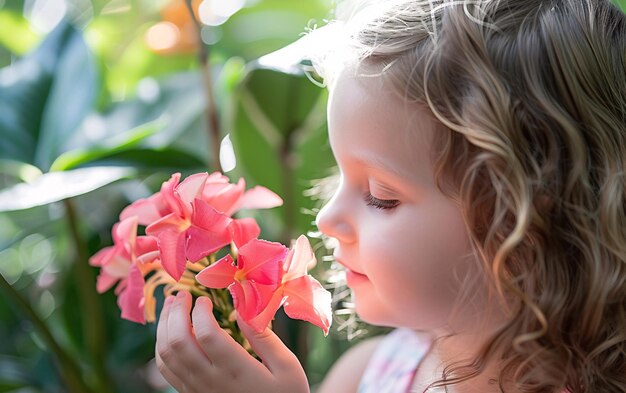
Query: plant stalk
[211,113]
[93,324]
[69,370]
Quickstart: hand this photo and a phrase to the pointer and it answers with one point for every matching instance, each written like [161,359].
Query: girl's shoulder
[393,365]
[345,375]
[381,359]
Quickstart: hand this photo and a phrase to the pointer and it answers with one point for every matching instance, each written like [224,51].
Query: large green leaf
[279,133]
[163,159]
[175,105]
[44,97]
[112,146]
[55,186]
[72,95]
[276,24]
[46,118]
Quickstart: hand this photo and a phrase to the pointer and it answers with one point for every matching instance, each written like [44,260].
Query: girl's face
[403,242]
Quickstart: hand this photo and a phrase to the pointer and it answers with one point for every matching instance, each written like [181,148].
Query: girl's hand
[196,356]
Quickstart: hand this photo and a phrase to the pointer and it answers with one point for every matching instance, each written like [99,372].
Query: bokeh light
[44,15]
[216,12]
[162,36]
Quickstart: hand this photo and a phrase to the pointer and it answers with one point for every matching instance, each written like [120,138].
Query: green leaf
[177,102]
[14,373]
[151,159]
[285,99]
[23,92]
[44,96]
[15,32]
[276,24]
[621,4]
[72,95]
[56,186]
[279,134]
[114,145]
[19,170]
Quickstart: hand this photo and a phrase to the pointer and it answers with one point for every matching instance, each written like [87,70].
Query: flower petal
[243,230]
[260,322]
[309,301]
[102,257]
[208,232]
[149,258]
[250,298]
[118,266]
[217,177]
[190,189]
[218,275]
[125,233]
[145,244]
[300,259]
[131,300]
[244,299]
[223,196]
[172,200]
[262,261]
[170,232]
[105,281]
[147,210]
[258,197]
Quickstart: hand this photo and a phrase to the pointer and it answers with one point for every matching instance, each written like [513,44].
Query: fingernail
[169,300]
[180,294]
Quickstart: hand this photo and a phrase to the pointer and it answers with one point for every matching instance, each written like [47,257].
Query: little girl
[481,208]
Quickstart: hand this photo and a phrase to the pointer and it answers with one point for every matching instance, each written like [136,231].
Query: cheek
[421,257]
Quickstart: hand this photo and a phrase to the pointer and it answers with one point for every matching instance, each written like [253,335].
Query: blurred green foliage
[98,105]
[100,100]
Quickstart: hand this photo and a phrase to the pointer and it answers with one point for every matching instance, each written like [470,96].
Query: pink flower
[302,296]
[151,209]
[253,281]
[218,192]
[230,198]
[127,261]
[192,219]
[192,230]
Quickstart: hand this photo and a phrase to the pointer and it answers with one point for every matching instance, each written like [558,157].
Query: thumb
[272,351]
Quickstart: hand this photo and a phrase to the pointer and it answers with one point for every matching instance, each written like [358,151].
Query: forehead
[367,120]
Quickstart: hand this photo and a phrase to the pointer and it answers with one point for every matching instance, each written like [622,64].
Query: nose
[336,220]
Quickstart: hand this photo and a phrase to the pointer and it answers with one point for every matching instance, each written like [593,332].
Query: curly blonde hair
[532,94]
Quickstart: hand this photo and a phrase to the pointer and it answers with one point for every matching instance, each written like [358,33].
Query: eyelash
[381,203]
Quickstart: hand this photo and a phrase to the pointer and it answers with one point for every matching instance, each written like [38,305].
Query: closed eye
[385,204]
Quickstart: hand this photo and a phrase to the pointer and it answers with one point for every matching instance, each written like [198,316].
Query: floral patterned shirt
[392,367]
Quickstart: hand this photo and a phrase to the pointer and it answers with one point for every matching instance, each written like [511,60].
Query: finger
[161,346]
[275,355]
[161,336]
[182,354]
[219,346]
[169,376]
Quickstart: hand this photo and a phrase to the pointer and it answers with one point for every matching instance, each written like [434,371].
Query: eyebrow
[376,163]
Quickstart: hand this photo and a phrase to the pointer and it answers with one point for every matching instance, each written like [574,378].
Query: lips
[338,259]
[352,276]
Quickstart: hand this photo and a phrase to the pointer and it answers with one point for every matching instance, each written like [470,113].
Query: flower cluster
[186,225]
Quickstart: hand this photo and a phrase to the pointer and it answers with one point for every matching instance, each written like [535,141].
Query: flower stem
[93,326]
[213,123]
[69,370]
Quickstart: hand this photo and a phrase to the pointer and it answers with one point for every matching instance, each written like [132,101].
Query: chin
[376,316]
[384,319]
